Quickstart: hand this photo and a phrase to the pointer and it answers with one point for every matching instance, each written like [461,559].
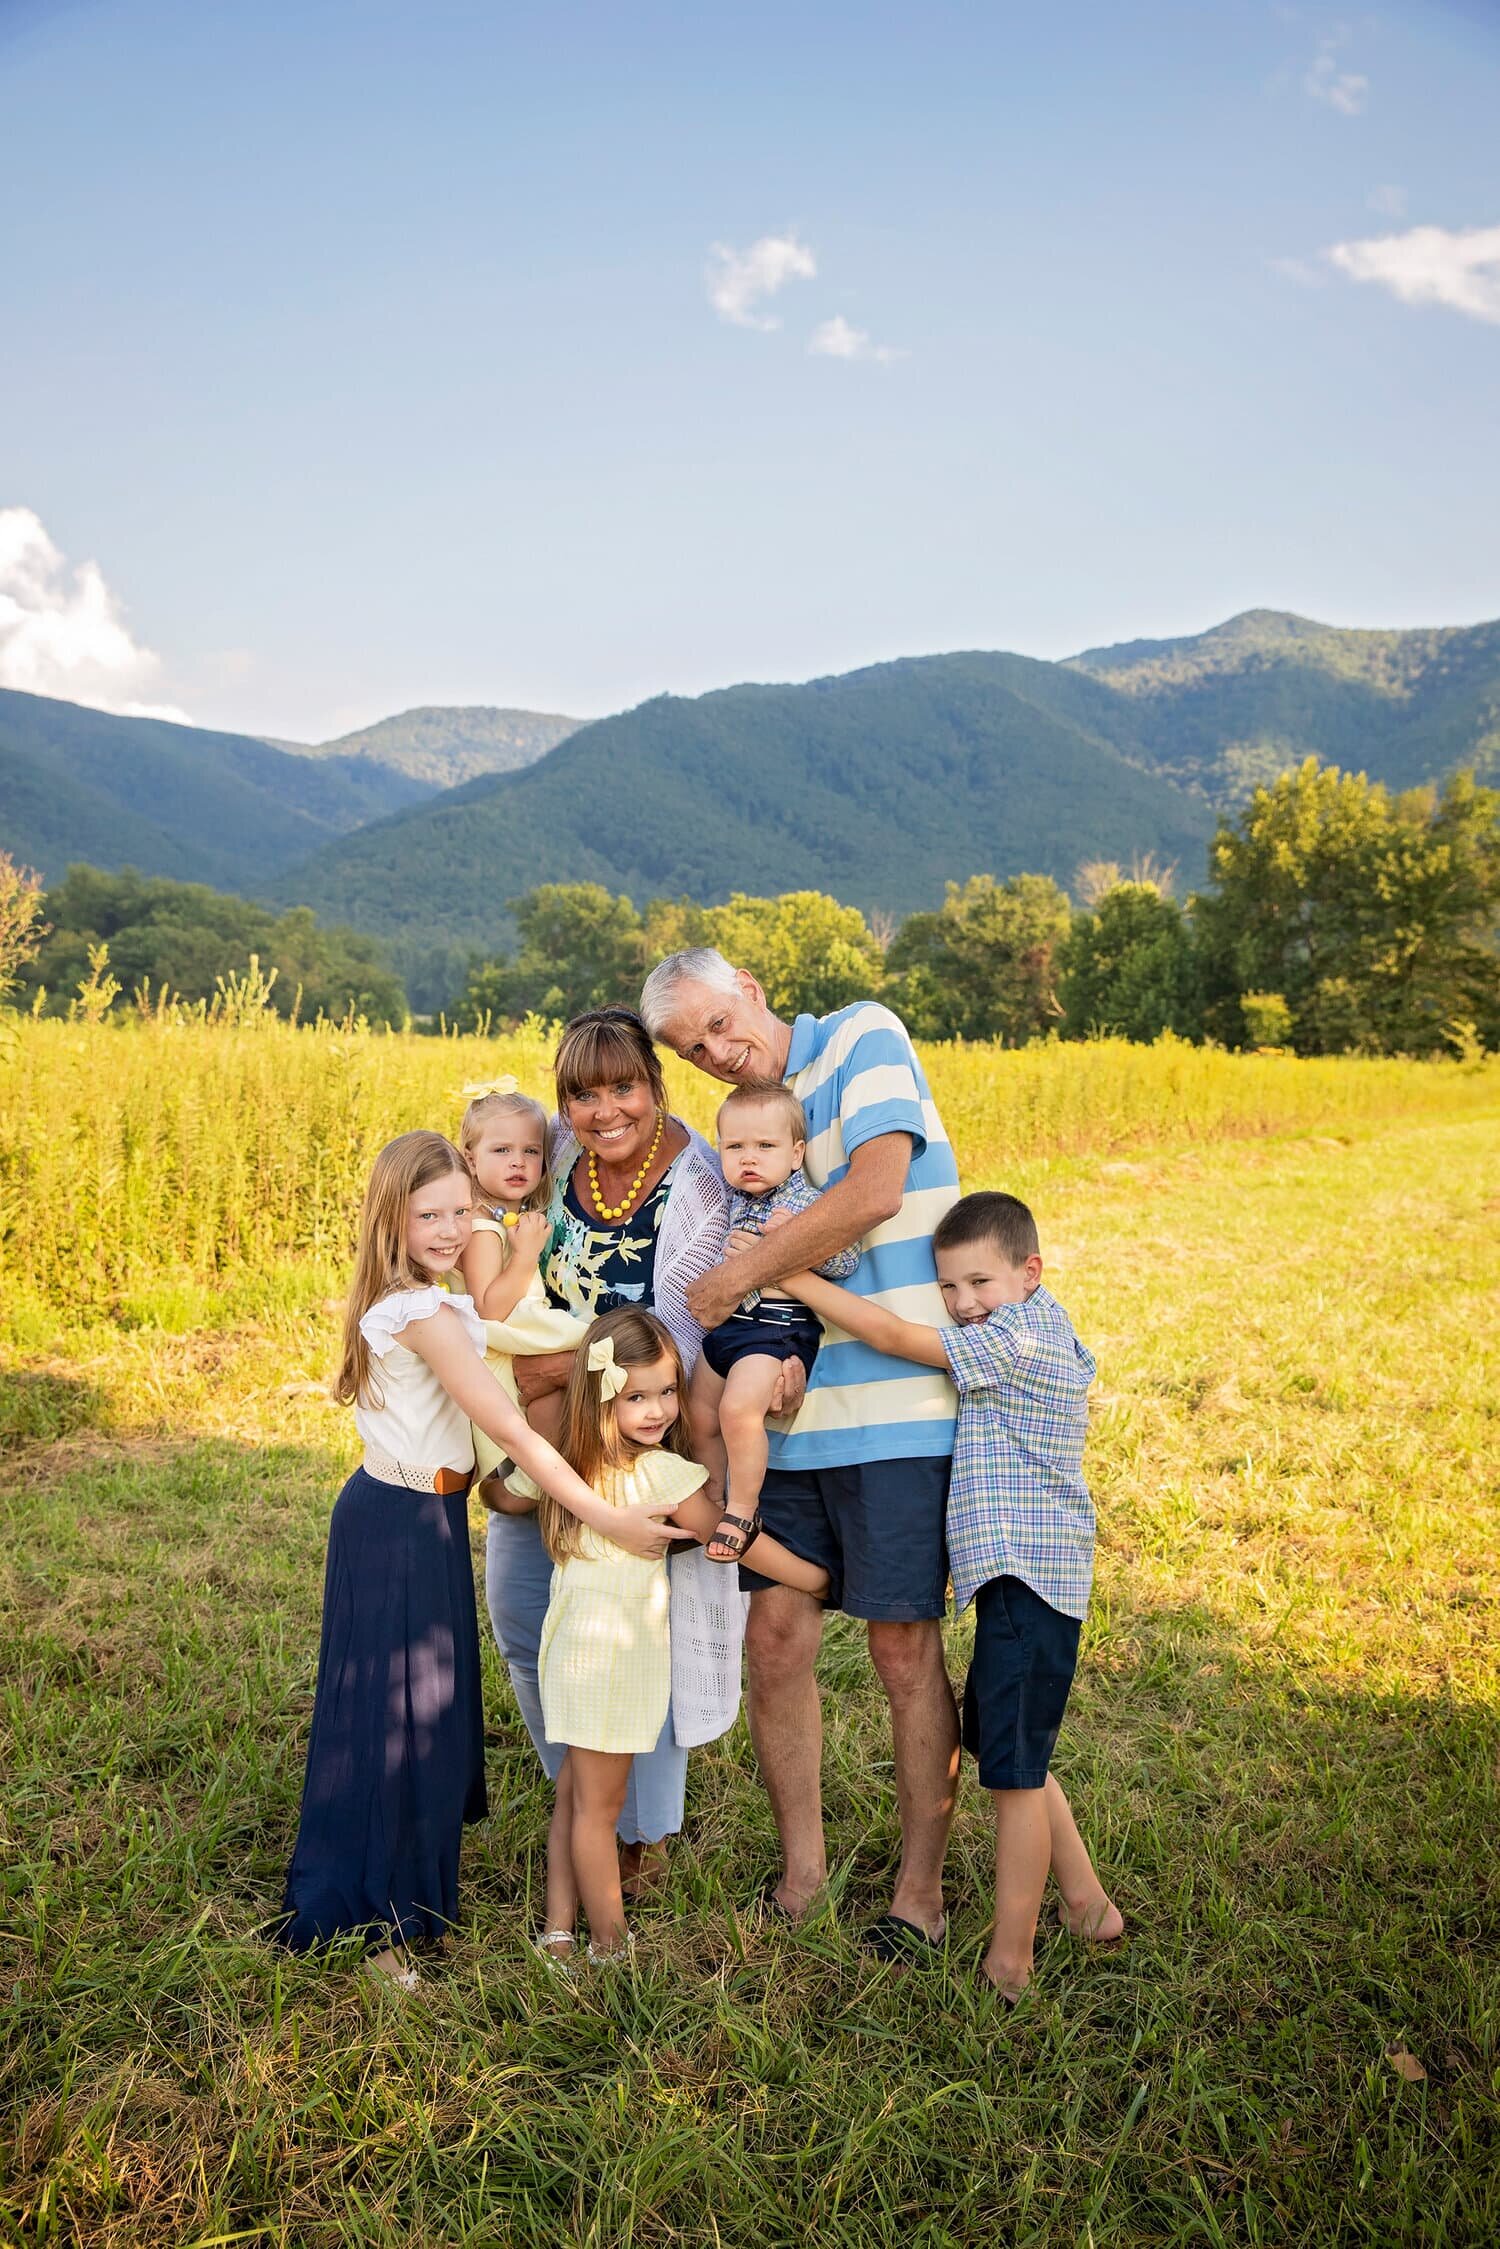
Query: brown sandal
[746,1527]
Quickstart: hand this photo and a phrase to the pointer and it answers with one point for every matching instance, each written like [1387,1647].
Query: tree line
[146,937]
[1338,917]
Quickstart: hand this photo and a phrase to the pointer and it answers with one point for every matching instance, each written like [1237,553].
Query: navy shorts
[765,1333]
[1025,1655]
[876,1528]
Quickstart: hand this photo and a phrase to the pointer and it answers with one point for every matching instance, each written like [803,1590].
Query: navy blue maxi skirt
[395,1765]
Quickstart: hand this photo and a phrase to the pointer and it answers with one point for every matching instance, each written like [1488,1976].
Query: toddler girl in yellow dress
[605,1666]
[503,1139]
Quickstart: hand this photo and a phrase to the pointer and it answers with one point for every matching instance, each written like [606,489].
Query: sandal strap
[749,1526]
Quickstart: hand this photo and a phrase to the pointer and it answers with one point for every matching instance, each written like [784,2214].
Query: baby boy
[762,1141]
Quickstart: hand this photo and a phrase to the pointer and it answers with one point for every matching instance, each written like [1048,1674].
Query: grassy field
[1283,1741]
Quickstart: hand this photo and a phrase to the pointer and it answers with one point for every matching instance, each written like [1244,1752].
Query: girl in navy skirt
[395,1765]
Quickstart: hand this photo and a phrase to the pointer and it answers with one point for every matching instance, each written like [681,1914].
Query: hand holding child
[641,1530]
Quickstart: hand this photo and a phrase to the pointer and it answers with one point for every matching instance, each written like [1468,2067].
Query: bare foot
[1100,1921]
[1008,1977]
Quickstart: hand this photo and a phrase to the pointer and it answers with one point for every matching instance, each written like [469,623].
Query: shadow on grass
[1306,1868]
[38,1408]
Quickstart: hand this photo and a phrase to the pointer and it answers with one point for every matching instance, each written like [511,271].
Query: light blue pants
[517,1579]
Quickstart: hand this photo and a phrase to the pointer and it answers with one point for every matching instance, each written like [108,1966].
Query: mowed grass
[1282,1744]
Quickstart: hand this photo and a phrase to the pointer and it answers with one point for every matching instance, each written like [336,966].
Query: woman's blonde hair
[382,1262]
[478,1114]
[589,1439]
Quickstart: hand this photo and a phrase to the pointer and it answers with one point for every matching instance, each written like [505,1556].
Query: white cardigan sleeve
[694,1228]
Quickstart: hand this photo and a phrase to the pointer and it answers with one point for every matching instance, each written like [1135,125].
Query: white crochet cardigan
[708,1608]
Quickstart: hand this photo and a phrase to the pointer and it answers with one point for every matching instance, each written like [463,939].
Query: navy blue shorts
[765,1333]
[876,1528]
[1025,1655]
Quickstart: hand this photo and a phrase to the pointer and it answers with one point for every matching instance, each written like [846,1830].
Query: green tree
[181,937]
[1128,967]
[580,946]
[811,954]
[1372,915]
[985,965]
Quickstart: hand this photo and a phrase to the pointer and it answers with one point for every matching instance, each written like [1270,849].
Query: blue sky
[370,353]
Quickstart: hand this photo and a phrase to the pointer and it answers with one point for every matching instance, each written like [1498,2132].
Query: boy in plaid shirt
[1020,1544]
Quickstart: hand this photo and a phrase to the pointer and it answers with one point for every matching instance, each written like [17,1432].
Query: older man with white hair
[859,1482]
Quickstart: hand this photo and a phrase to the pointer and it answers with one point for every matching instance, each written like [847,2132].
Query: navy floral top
[592,1267]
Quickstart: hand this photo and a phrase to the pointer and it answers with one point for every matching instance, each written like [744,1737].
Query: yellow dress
[534,1326]
[605,1663]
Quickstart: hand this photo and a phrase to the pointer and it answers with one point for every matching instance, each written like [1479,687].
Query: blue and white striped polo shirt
[857,1075]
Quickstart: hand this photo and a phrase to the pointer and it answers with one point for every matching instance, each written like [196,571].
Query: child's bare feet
[1095,1920]
[1010,1976]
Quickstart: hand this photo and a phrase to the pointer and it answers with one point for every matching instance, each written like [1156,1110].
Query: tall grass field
[1282,1743]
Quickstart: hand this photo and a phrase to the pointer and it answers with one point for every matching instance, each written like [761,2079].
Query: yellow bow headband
[489,1086]
[602,1362]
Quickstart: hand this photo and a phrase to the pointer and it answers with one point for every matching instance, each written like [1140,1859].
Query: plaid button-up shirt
[1018,1505]
[794,1196]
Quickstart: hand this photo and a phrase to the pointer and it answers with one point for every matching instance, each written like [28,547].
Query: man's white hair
[700,964]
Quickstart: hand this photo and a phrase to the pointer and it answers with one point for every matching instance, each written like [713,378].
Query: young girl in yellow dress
[605,1666]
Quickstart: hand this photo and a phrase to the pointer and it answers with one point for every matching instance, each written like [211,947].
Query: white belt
[443,1481]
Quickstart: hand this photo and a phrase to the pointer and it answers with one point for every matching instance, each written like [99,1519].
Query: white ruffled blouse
[417,1423]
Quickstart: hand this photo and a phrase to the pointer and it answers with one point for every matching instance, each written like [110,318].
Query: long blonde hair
[382,1262]
[589,1439]
[481,1109]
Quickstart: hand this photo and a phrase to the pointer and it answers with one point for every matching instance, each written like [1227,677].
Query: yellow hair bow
[602,1362]
[489,1086]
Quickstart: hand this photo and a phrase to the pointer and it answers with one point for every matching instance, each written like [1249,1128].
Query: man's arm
[869,1193]
[871,1323]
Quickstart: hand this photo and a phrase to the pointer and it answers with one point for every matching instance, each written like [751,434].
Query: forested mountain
[226,809]
[442,745]
[878,786]
[1233,707]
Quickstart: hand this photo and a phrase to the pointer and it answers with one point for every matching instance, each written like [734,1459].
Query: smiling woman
[639,1209]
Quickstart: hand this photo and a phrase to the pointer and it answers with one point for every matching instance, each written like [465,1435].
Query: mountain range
[232,810]
[878,785]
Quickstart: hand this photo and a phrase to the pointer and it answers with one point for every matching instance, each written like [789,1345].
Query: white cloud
[837,339]
[62,633]
[1343,90]
[1431,265]
[738,280]
[1390,202]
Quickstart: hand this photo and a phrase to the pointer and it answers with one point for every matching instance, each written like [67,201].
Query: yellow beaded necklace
[621,1210]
